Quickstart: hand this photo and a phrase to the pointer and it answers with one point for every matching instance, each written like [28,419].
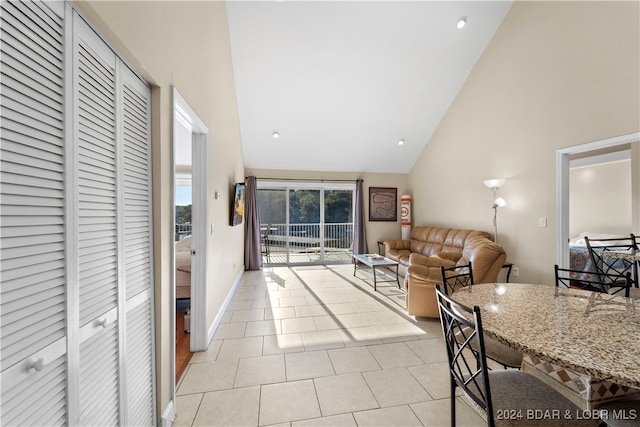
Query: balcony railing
[182,231]
[306,243]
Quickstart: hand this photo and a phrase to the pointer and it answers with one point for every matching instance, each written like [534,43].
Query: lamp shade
[494,182]
[500,203]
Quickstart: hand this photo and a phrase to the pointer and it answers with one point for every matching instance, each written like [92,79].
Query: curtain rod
[305,179]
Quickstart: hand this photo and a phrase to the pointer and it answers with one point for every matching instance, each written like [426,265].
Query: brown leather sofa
[429,248]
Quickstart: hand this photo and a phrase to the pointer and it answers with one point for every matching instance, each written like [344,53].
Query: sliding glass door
[304,223]
[305,231]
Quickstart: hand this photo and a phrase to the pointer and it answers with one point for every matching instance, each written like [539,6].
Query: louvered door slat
[27,280]
[100,152]
[139,366]
[41,303]
[15,50]
[47,112]
[20,256]
[14,153]
[29,88]
[14,104]
[98,378]
[32,293]
[96,78]
[34,333]
[43,19]
[28,125]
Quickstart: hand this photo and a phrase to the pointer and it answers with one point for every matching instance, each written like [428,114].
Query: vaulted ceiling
[343,82]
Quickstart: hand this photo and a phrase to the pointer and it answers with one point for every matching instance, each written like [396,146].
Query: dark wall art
[383,204]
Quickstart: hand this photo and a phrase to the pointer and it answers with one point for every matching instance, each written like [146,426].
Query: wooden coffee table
[374,261]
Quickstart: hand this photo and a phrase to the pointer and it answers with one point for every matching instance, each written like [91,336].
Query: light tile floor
[316,346]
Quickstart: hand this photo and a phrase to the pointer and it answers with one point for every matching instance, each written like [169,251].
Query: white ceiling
[343,82]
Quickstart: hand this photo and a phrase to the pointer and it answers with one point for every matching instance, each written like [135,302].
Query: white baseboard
[168,415]
[223,308]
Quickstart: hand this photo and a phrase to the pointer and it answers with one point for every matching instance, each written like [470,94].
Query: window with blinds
[75,233]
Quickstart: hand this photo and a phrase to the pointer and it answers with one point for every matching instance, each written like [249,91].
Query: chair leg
[453,403]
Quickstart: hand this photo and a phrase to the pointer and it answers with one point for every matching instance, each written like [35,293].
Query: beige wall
[375,230]
[600,199]
[556,74]
[186,45]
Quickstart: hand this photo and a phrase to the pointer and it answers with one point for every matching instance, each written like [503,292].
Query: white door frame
[563,156]
[199,248]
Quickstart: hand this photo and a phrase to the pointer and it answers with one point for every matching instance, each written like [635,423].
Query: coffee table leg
[397,278]
[373,268]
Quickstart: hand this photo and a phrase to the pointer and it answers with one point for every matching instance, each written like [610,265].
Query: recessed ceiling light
[461,23]
[276,135]
[401,142]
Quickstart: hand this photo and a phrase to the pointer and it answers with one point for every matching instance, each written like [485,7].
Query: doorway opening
[190,222]
[183,204]
[615,155]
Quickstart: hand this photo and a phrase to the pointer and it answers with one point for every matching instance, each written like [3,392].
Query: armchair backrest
[486,256]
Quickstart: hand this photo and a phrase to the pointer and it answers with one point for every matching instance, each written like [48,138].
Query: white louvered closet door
[96,216]
[76,254]
[138,249]
[32,267]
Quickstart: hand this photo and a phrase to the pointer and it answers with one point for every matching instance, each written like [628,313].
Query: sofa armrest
[397,244]
[418,271]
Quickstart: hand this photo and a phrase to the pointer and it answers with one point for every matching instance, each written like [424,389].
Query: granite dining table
[593,334]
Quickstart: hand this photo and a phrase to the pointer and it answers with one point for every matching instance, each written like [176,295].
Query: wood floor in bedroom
[183,355]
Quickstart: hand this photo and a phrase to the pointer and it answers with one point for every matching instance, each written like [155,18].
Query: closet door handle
[102,322]
[36,364]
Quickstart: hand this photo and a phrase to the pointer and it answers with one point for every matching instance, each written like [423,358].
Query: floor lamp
[498,202]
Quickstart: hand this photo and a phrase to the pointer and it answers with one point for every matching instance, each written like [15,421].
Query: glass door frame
[320,186]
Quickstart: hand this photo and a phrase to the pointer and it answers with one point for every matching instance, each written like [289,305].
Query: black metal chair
[610,267]
[621,413]
[507,397]
[607,283]
[264,242]
[457,277]
[454,278]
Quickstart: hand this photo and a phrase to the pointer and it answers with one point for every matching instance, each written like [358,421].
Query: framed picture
[383,204]
[237,207]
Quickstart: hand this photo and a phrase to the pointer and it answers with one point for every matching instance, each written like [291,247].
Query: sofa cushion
[449,255]
[398,254]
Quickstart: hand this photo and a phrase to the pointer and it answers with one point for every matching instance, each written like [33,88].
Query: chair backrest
[459,276]
[462,330]
[611,267]
[612,283]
